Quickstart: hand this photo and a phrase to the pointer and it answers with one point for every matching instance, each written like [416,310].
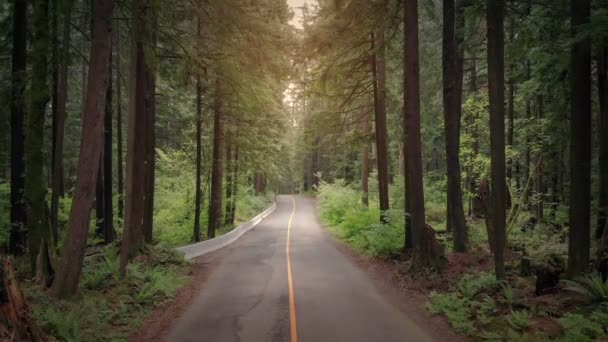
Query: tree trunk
[99,202]
[133,234]
[602,86]
[538,169]
[235,181]
[498,194]
[425,253]
[150,134]
[62,96]
[119,164]
[452,72]
[259,183]
[198,197]
[66,280]
[365,163]
[17,235]
[580,141]
[35,186]
[108,209]
[215,204]
[511,103]
[228,171]
[379,79]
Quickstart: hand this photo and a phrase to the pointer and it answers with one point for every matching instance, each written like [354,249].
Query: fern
[592,287]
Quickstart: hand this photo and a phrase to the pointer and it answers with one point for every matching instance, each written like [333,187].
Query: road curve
[247,297]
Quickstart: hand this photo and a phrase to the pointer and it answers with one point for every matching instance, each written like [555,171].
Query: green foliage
[519,320]
[591,286]
[578,328]
[108,308]
[341,210]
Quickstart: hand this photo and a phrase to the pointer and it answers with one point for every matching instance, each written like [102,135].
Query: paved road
[247,297]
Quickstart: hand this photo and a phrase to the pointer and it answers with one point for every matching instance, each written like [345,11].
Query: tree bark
[379,79]
[119,163]
[108,209]
[365,163]
[133,234]
[62,96]
[425,253]
[495,21]
[99,202]
[580,141]
[199,150]
[215,204]
[452,113]
[35,186]
[150,146]
[538,169]
[66,280]
[235,181]
[17,235]
[602,86]
[228,171]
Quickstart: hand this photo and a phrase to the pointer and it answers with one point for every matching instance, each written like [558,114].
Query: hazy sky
[295,5]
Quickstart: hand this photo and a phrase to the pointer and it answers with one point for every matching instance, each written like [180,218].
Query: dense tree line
[499,114]
[189,77]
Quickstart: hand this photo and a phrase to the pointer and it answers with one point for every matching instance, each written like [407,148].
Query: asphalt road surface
[250,296]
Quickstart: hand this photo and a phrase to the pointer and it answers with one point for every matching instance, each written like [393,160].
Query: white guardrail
[201,248]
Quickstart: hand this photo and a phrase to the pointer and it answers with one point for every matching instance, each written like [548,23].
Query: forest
[462,143]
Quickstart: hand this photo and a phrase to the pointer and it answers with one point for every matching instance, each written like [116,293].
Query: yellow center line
[292,301]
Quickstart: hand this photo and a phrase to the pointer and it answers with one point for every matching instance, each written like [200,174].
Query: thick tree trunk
[425,252]
[215,204]
[602,86]
[66,280]
[54,64]
[496,77]
[365,163]
[452,113]
[17,235]
[59,132]
[511,103]
[133,234]
[108,209]
[580,141]
[35,186]
[379,79]
[150,134]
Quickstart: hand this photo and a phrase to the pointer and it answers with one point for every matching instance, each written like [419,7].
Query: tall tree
[496,86]
[119,164]
[68,275]
[198,199]
[379,79]
[108,208]
[452,72]
[365,162]
[602,86]
[17,236]
[229,177]
[35,185]
[150,131]
[133,233]
[580,140]
[215,203]
[60,119]
[425,253]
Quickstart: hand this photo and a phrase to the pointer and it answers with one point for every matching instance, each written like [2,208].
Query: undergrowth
[108,308]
